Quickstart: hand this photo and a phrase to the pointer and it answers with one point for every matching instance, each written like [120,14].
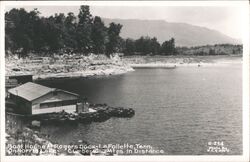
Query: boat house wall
[24,106]
[55,101]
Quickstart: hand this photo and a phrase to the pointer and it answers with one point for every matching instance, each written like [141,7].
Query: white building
[32,98]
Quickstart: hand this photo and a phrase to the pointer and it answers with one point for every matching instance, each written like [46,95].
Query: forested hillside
[29,33]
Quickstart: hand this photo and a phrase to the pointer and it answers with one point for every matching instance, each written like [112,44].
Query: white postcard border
[245,72]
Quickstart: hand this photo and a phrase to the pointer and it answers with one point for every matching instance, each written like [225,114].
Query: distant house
[33,98]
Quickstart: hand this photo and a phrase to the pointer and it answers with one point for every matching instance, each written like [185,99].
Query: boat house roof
[31,91]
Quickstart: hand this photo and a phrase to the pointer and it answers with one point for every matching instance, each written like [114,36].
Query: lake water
[177,110]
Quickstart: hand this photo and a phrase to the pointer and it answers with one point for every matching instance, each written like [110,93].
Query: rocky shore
[65,66]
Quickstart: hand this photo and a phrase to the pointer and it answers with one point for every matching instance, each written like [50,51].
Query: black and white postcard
[124,81]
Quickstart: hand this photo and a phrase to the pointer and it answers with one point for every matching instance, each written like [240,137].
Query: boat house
[32,98]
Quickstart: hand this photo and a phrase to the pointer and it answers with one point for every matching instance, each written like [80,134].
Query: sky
[227,20]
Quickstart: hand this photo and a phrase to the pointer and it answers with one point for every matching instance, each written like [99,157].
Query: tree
[211,52]
[98,35]
[83,37]
[70,33]
[20,33]
[35,30]
[54,32]
[142,45]
[59,30]
[168,47]
[28,31]
[155,46]
[130,47]
[147,45]
[113,38]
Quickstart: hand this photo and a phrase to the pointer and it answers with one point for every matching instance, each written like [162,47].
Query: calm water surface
[178,110]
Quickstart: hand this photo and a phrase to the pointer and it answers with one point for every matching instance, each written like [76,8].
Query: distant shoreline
[169,62]
[172,65]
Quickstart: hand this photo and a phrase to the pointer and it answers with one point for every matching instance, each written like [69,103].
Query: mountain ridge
[185,34]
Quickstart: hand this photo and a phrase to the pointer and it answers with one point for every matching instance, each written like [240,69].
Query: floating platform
[100,113]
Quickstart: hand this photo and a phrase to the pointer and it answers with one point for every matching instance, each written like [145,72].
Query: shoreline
[89,67]
[173,65]
[66,66]
[130,68]
[170,62]
[81,74]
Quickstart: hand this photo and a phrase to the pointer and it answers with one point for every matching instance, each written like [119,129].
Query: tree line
[217,49]
[83,33]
